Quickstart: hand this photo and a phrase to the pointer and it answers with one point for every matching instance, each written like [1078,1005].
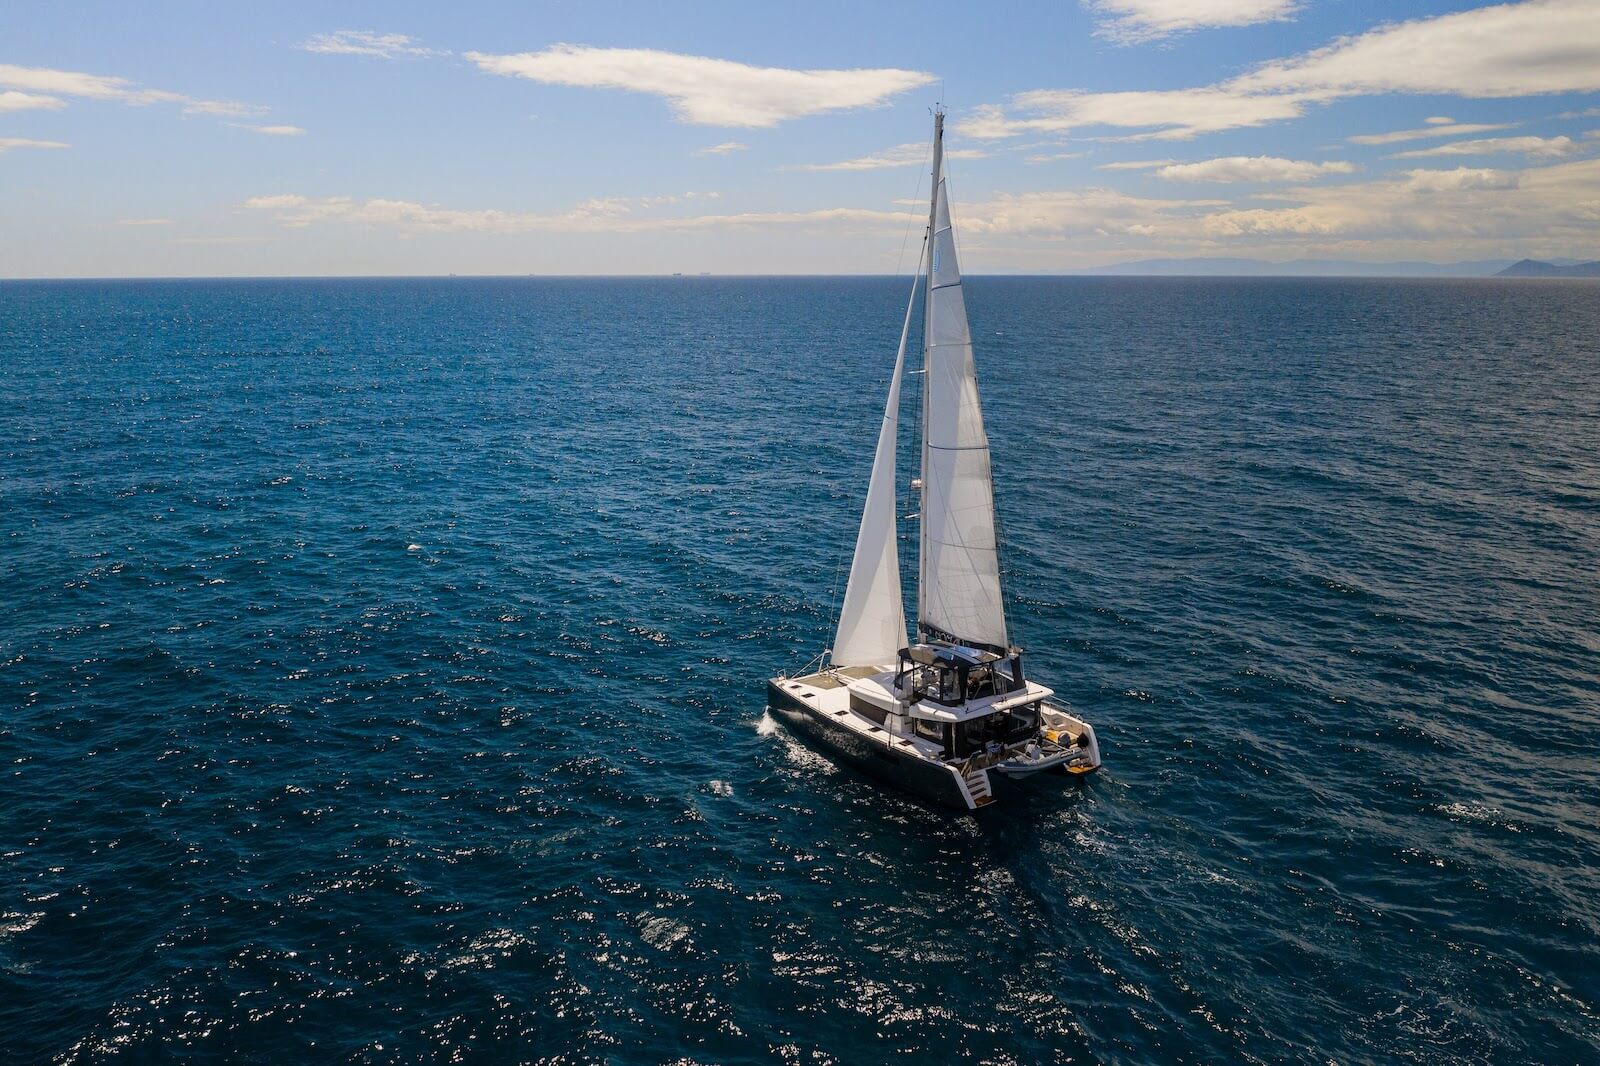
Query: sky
[297,139]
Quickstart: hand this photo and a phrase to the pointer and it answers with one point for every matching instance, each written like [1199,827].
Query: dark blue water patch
[382,674]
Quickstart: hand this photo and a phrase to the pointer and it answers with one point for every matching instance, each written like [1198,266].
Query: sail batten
[872,620]
[959,595]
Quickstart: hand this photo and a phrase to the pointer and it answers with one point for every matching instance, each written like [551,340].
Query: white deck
[829,692]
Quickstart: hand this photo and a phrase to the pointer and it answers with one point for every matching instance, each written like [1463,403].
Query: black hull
[927,781]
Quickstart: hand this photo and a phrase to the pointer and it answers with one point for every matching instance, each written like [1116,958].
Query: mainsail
[959,584]
[872,622]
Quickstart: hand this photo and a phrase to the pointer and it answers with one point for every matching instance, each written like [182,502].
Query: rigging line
[899,264]
[840,570]
[905,238]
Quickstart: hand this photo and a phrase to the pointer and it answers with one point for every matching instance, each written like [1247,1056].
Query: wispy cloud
[1464,202]
[603,215]
[221,240]
[1051,157]
[1450,213]
[1136,164]
[364,43]
[1437,127]
[144,221]
[725,148]
[58,83]
[222,108]
[1169,114]
[272,131]
[901,155]
[1466,212]
[9,143]
[1507,50]
[12,100]
[1133,21]
[1255,168]
[1533,146]
[709,92]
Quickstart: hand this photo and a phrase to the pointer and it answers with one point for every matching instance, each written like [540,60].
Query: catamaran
[941,715]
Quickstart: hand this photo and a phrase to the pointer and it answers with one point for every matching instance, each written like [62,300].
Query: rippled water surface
[382,675]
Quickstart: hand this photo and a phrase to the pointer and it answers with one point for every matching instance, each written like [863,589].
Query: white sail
[959,593]
[872,622]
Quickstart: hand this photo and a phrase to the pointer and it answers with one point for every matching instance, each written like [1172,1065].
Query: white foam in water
[766,725]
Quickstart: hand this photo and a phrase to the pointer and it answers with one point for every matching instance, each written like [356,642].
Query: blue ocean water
[382,666]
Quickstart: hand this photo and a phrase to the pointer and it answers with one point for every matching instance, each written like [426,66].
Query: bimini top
[953,655]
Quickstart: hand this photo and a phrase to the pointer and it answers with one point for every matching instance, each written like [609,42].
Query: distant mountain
[1561,268]
[1348,268]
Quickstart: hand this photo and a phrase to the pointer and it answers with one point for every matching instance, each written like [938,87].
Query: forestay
[872,622]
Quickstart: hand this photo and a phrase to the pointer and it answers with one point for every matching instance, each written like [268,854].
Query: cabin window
[936,683]
[934,731]
[1005,728]
[867,710]
[1024,720]
[1015,681]
[981,683]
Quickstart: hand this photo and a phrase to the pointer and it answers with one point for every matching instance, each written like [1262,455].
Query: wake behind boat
[940,715]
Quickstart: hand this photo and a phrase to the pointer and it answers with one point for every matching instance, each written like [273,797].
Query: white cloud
[1466,212]
[1507,50]
[1437,127]
[1431,181]
[275,131]
[1427,205]
[1131,21]
[725,148]
[225,108]
[1526,49]
[364,43]
[603,215]
[75,83]
[1136,164]
[220,240]
[1076,212]
[12,100]
[1171,114]
[1443,214]
[8,143]
[1259,222]
[59,83]
[709,92]
[1534,146]
[1051,157]
[1258,168]
[902,155]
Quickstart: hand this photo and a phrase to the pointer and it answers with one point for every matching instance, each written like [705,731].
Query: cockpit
[953,675]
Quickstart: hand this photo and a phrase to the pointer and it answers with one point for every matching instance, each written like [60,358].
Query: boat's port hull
[930,781]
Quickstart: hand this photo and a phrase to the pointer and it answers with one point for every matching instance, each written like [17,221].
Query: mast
[959,597]
[927,308]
